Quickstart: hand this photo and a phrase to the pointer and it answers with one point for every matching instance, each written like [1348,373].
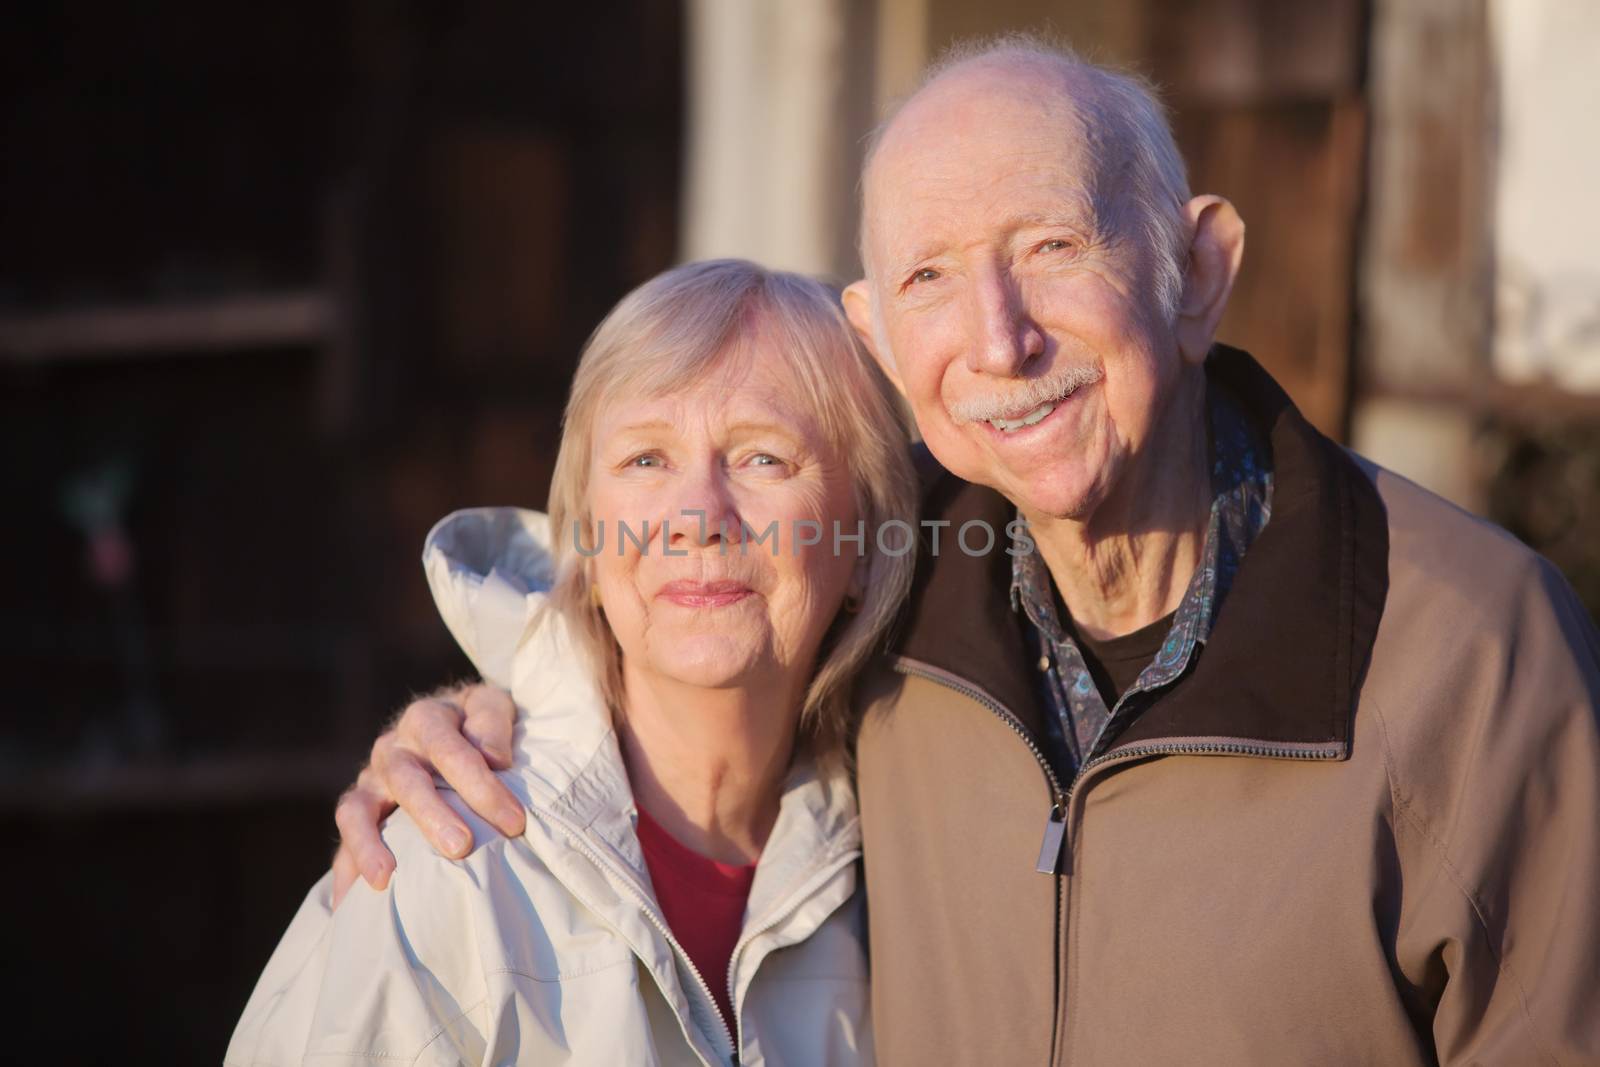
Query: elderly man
[1266,755]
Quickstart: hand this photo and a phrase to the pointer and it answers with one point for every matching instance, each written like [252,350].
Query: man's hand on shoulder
[461,734]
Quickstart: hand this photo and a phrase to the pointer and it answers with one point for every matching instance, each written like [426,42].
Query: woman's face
[685,484]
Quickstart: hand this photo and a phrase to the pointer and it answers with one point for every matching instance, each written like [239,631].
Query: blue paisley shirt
[1241,482]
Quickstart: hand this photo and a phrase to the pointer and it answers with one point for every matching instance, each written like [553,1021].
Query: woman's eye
[766,459]
[644,459]
[1055,245]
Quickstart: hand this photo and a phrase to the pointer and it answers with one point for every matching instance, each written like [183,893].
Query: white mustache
[1025,396]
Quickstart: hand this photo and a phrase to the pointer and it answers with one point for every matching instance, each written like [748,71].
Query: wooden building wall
[280,287]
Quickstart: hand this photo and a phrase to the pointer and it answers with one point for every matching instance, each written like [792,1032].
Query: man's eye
[926,274]
[1054,245]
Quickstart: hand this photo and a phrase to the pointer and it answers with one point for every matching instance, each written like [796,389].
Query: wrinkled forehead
[962,139]
[747,382]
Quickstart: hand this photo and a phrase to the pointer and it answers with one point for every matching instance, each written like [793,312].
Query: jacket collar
[959,617]
[1284,660]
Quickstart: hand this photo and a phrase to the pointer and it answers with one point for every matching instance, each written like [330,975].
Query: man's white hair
[1129,144]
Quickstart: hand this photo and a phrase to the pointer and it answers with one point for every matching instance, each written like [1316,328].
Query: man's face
[1023,328]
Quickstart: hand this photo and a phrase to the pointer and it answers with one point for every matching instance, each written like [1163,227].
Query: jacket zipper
[792,905]
[649,911]
[1054,845]
[1055,823]
[660,923]
[1187,748]
[1141,751]
[1198,748]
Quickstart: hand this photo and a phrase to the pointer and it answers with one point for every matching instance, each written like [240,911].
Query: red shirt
[703,902]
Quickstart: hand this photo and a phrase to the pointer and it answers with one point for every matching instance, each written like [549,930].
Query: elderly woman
[680,635]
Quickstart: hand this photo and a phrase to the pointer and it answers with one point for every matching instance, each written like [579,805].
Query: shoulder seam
[462,1014]
[582,972]
[1410,815]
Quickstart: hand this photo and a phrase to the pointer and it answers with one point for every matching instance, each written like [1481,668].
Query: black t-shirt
[1115,664]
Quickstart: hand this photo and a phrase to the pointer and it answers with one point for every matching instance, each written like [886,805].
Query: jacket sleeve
[391,976]
[1501,929]
[273,1027]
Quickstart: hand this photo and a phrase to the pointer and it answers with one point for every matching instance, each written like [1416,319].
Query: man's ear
[1215,251]
[857,299]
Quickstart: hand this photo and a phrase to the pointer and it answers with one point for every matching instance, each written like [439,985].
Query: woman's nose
[705,515]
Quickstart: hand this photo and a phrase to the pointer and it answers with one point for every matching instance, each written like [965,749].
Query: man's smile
[1030,402]
[1037,420]
[1013,424]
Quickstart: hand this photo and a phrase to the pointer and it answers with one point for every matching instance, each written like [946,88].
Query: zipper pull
[1055,831]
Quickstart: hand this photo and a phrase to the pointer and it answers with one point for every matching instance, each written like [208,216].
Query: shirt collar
[1241,505]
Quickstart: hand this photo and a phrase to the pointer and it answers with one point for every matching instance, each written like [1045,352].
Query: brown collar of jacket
[1283,664]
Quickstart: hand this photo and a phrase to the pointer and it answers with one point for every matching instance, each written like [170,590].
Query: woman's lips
[704,594]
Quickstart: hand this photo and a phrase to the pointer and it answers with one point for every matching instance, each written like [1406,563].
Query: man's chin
[1039,495]
[1066,501]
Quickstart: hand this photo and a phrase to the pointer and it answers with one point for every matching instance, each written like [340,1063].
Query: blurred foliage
[1546,489]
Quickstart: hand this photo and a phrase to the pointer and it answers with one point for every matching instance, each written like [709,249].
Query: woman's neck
[708,764]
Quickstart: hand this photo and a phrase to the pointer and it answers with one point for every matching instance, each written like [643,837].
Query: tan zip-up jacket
[1364,829]
[550,948]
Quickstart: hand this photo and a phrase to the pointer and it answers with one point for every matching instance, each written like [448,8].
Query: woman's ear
[1215,251]
[857,299]
[855,594]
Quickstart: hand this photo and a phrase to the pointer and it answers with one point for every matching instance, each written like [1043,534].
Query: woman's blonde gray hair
[690,322]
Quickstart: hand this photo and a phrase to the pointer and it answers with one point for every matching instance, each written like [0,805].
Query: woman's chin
[709,662]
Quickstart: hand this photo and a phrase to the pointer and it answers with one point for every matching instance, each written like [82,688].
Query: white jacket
[551,948]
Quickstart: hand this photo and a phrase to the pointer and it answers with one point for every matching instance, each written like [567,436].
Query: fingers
[432,735]
[345,873]
[358,815]
[410,782]
[425,717]
[490,717]
[455,758]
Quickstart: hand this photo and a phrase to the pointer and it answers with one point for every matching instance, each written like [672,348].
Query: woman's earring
[853,603]
[594,595]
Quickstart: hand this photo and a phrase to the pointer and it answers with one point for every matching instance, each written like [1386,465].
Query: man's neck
[1129,563]
[707,764]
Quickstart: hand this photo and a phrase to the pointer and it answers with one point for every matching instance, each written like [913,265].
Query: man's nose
[1004,336]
